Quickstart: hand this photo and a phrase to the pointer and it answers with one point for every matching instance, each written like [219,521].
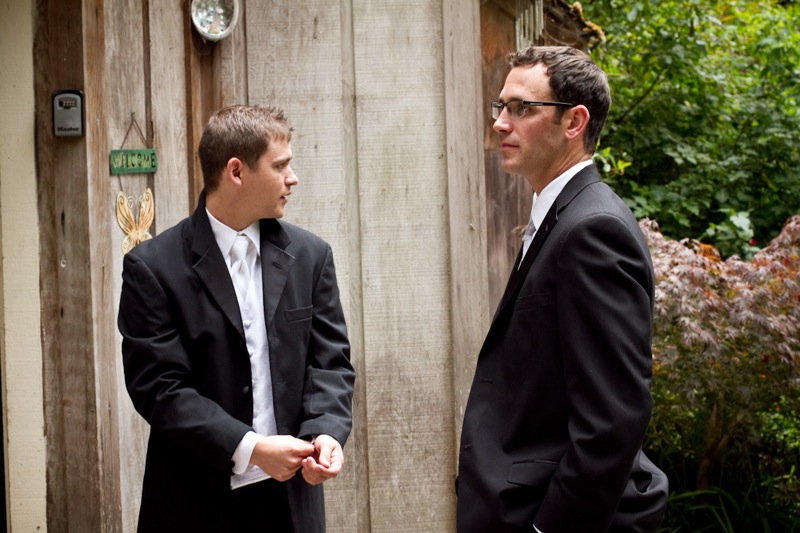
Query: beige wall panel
[20,333]
[405,256]
[299,58]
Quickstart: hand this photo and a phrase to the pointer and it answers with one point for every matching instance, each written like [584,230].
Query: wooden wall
[365,86]
[509,198]
[130,63]
[386,104]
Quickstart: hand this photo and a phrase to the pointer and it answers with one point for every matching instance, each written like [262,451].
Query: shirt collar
[542,202]
[225,235]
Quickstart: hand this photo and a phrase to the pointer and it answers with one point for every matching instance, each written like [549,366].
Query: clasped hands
[281,456]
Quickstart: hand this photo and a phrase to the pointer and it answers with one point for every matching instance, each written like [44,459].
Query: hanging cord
[136,228]
[132,125]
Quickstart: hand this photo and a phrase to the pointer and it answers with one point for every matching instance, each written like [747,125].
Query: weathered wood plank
[352,498]
[400,197]
[49,54]
[167,95]
[125,84]
[158,101]
[297,60]
[405,239]
[465,112]
[78,405]
[230,60]
[294,63]
[508,198]
[196,113]
[126,80]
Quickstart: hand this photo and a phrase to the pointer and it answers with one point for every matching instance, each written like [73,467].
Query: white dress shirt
[251,306]
[544,201]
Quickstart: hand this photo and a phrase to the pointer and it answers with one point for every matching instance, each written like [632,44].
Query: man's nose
[501,123]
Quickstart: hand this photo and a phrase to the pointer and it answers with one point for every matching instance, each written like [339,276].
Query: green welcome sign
[133,161]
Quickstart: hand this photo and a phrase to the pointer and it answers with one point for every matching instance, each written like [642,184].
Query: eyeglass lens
[515,108]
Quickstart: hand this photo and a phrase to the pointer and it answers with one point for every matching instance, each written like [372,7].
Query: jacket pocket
[301,313]
[531,473]
[532,300]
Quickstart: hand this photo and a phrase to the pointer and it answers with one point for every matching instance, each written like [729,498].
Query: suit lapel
[276,263]
[518,274]
[211,267]
[583,178]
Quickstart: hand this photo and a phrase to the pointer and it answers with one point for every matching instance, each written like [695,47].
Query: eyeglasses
[518,108]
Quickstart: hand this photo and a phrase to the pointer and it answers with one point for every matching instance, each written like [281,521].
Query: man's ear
[577,120]
[233,171]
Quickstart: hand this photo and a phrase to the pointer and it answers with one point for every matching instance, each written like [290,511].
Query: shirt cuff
[244,451]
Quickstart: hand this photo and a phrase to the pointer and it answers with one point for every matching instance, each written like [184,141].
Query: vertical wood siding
[386,104]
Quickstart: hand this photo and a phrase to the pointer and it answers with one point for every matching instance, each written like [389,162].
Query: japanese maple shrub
[726,362]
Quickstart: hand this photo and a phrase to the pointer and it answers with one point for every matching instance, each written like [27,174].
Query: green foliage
[609,164]
[726,383]
[734,235]
[706,109]
[782,426]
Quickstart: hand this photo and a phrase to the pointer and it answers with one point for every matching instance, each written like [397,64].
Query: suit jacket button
[246,389]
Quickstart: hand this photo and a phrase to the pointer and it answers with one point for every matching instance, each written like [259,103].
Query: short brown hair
[574,78]
[239,131]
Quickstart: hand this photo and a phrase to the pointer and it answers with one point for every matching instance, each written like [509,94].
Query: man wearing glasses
[561,400]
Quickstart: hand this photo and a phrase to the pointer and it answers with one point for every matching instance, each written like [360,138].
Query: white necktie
[240,272]
[255,333]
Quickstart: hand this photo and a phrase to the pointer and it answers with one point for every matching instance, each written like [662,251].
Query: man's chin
[509,168]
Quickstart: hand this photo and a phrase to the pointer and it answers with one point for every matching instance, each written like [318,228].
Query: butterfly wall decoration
[136,229]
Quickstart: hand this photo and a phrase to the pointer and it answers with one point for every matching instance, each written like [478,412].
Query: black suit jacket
[561,398]
[187,368]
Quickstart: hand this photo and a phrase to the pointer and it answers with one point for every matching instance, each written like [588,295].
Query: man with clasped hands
[235,347]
